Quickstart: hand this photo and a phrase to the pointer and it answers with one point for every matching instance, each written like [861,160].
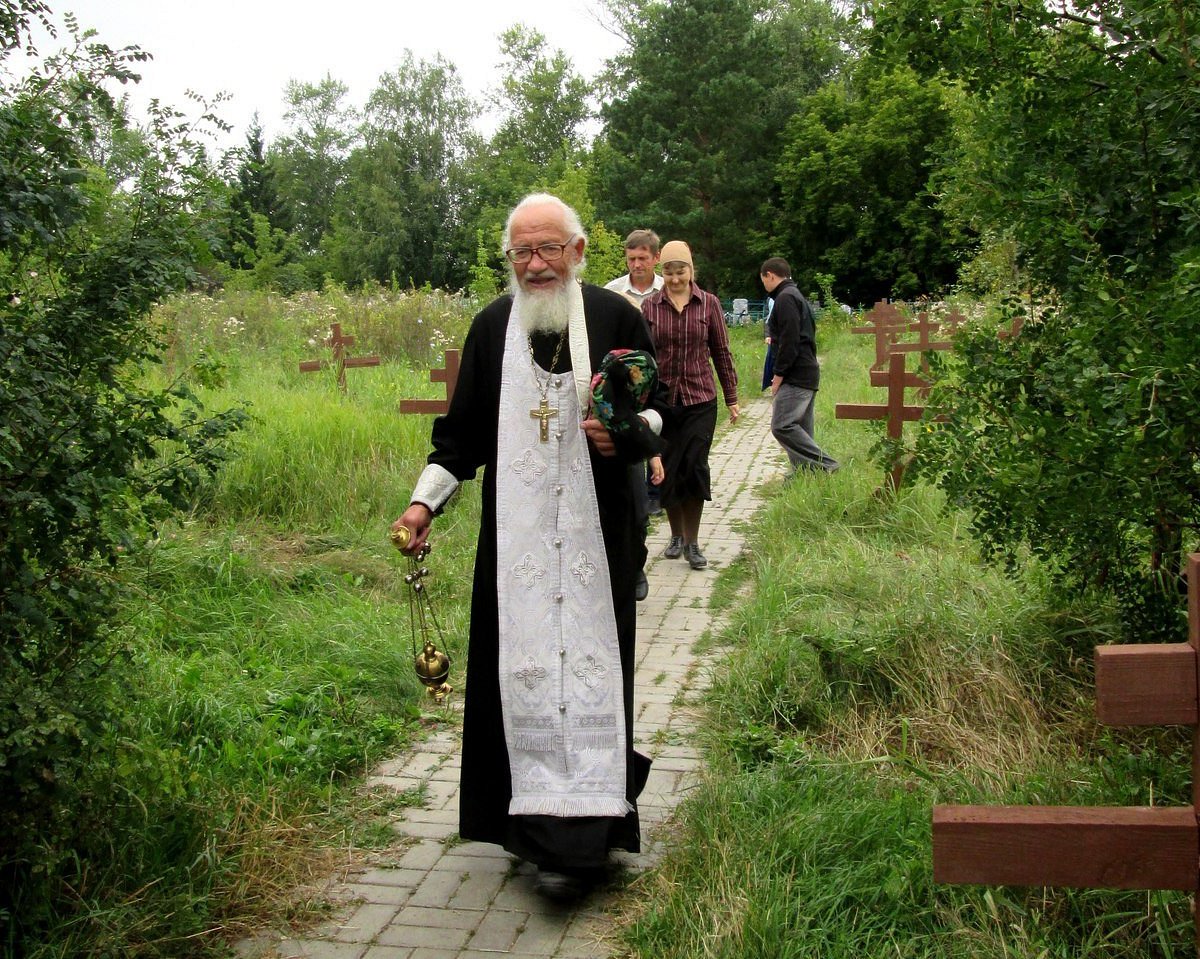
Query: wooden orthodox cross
[886,322]
[1096,847]
[923,328]
[338,343]
[893,411]
[1014,330]
[449,376]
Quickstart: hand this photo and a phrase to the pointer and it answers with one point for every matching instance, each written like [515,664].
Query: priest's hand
[600,437]
[416,520]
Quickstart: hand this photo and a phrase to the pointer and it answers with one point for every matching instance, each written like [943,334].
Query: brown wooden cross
[338,343]
[918,381]
[923,328]
[886,322]
[1014,330]
[449,376]
[893,411]
[1096,847]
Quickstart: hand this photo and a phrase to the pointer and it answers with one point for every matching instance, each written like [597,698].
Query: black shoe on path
[558,886]
[642,589]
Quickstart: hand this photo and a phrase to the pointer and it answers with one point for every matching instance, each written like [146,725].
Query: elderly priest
[548,766]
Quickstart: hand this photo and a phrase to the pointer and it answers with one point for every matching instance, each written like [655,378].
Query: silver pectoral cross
[542,414]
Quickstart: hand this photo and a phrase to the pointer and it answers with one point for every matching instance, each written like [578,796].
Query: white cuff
[434,487]
[653,419]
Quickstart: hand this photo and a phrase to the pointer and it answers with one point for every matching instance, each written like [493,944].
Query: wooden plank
[438,407]
[874,411]
[1136,847]
[1193,567]
[1147,684]
[912,381]
[939,346]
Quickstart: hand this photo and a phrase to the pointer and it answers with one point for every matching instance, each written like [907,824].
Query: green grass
[875,666]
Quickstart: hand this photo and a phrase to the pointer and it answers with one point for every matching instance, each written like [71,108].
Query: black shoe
[558,886]
[655,508]
[674,548]
[695,558]
[642,589]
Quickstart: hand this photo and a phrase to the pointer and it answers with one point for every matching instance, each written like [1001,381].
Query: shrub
[90,458]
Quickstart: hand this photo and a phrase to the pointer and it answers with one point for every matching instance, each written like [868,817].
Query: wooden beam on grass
[1151,684]
[1128,847]
[447,375]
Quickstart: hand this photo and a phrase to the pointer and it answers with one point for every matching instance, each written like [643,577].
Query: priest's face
[542,230]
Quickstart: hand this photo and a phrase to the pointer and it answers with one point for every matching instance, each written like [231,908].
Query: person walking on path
[548,766]
[795,374]
[687,325]
[641,257]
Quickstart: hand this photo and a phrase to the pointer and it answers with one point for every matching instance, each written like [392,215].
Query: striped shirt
[685,342]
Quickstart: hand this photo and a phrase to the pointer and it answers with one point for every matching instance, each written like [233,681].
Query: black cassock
[463,441]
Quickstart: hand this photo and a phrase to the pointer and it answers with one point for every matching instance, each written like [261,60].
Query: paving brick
[478,890]
[317,949]
[541,935]
[424,830]
[382,895]
[384,885]
[497,931]
[446,941]
[422,855]
[453,859]
[388,952]
[437,889]
[444,816]
[365,923]
[436,918]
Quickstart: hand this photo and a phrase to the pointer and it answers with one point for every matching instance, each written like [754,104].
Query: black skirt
[688,431]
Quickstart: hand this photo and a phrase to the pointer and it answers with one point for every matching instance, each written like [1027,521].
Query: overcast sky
[251,48]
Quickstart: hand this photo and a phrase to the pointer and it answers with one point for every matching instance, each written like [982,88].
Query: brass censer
[431,664]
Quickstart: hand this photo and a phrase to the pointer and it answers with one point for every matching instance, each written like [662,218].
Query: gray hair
[570,217]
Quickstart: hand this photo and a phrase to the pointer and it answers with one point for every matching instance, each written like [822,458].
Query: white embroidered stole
[560,666]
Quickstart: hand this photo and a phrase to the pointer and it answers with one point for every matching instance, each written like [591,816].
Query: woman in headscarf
[690,338]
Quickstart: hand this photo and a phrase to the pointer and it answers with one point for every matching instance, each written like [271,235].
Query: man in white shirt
[641,256]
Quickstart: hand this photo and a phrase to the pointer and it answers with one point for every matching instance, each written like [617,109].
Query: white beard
[543,311]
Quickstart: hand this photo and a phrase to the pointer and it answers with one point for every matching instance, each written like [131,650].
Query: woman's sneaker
[674,548]
[695,558]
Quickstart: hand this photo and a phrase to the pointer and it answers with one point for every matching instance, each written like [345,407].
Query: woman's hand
[734,412]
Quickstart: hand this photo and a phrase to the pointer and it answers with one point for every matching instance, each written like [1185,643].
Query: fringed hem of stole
[569,807]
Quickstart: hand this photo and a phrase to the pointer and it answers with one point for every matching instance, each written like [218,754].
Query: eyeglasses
[547,251]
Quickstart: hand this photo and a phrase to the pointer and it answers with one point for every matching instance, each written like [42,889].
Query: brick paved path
[443,899]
